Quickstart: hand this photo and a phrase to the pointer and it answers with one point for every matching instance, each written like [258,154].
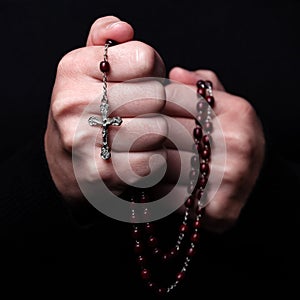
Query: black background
[251,45]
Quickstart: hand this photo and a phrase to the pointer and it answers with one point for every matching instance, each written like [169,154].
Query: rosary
[145,240]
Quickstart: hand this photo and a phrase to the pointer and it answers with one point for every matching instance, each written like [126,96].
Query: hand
[78,86]
[245,145]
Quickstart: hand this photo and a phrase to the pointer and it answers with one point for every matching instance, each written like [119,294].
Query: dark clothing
[253,49]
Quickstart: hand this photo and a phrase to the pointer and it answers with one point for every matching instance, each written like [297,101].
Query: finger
[135,135]
[182,101]
[127,61]
[126,99]
[191,77]
[109,27]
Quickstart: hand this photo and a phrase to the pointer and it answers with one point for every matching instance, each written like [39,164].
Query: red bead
[197,224]
[200,84]
[161,291]
[210,100]
[208,83]
[136,234]
[206,139]
[200,118]
[104,66]
[204,168]
[152,241]
[138,248]
[198,133]
[180,276]
[202,182]
[149,227]
[143,198]
[189,202]
[141,260]
[111,43]
[208,126]
[195,237]
[202,91]
[205,153]
[183,228]
[145,274]
[191,252]
[202,106]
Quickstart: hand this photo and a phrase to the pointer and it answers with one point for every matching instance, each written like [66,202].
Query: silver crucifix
[105,122]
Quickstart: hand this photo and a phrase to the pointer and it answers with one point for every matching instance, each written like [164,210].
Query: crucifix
[105,122]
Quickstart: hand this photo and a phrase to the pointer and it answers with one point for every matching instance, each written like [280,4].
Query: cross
[105,122]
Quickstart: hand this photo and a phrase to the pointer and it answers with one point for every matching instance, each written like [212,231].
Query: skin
[78,84]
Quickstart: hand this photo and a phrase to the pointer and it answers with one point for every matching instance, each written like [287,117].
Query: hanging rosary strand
[104,121]
[145,240]
[144,235]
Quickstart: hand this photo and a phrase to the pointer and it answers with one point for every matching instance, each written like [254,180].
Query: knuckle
[66,140]
[71,64]
[211,75]
[58,108]
[147,60]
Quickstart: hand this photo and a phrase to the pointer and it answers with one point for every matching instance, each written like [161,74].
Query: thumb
[191,77]
[109,27]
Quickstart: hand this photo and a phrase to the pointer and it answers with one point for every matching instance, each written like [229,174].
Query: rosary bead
[149,227]
[104,66]
[152,241]
[144,198]
[111,43]
[180,276]
[210,100]
[198,133]
[200,84]
[191,252]
[202,92]
[195,237]
[202,182]
[204,168]
[209,84]
[208,126]
[138,248]
[205,153]
[141,260]
[202,106]
[197,224]
[206,139]
[145,274]
[189,202]
[136,234]
[183,228]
